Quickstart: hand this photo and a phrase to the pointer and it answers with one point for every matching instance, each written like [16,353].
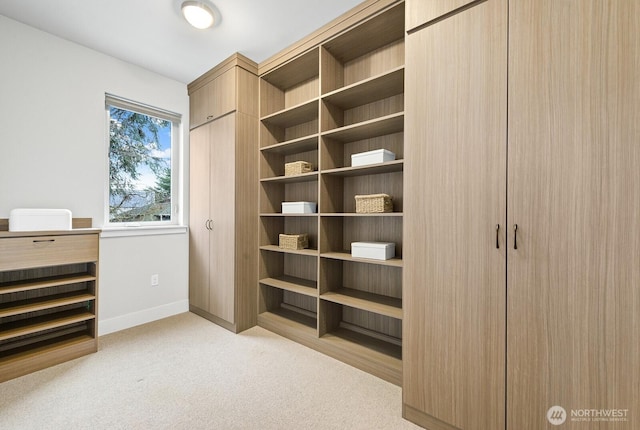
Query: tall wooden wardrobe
[224,194]
[522,175]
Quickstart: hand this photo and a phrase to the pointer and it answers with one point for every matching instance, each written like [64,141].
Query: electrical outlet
[154,280]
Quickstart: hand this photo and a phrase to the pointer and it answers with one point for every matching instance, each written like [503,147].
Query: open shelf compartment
[370,287]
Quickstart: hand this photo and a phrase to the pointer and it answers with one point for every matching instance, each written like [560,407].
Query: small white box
[299,207]
[373,250]
[372,157]
[39,219]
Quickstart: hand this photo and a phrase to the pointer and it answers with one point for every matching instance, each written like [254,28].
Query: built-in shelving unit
[342,96]
[48,298]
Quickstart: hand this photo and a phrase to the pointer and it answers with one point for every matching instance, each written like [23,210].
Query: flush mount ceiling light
[198,14]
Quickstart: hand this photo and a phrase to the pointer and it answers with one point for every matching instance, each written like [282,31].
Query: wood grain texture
[364,11]
[222,212]
[37,251]
[216,98]
[246,217]
[454,277]
[199,156]
[419,12]
[574,191]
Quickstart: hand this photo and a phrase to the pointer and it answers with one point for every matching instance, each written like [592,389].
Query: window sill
[142,230]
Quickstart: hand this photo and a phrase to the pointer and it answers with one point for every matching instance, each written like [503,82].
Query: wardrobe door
[455,196]
[199,150]
[574,192]
[222,210]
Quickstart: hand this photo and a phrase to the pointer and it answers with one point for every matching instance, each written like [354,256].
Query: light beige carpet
[187,373]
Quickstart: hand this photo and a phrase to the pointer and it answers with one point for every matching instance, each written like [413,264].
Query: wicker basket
[294,241]
[373,203]
[297,168]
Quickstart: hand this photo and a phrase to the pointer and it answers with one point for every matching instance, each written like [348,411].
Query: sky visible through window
[139,167]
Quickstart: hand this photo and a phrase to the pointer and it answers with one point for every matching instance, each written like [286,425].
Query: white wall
[53,155]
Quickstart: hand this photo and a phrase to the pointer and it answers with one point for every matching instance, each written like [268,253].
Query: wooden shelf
[291,283]
[295,72]
[343,95]
[369,90]
[369,36]
[371,169]
[376,303]
[388,124]
[305,177]
[276,248]
[294,146]
[47,302]
[375,356]
[53,281]
[34,325]
[298,114]
[291,319]
[342,214]
[346,256]
[288,215]
[27,360]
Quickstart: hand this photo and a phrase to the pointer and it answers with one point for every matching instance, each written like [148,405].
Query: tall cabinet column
[455,213]
[574,192]
[223,194]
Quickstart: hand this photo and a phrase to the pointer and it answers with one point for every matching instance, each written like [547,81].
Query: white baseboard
[133,319]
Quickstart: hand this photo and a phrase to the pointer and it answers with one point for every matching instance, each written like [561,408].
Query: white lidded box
[299,207]
[373,250]
[39,219]
[372,157]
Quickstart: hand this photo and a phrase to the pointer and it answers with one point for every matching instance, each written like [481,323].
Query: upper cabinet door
[213,99]
[419,12]
[454,288]
[574,191]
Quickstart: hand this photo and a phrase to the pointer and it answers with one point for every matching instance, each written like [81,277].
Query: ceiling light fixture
[198,14]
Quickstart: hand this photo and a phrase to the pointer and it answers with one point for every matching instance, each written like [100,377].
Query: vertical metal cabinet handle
[497,233]
[515,236]
[211,224]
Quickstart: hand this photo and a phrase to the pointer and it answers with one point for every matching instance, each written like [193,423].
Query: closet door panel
[574,191]
[198,215]
[222,210]
[455,195]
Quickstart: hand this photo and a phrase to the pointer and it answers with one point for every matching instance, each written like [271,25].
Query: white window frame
[145,227]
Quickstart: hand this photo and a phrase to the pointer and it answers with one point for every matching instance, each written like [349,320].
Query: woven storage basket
[294,241]
[373,203]
[297,168]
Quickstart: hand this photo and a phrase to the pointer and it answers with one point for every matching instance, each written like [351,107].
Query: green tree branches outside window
[140,180]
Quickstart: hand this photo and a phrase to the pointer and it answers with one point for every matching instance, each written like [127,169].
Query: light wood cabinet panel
[224,202]
[222,214]
[419,12]
[574,191]
[454,278]
[48,298]
[199,183]
[214,99]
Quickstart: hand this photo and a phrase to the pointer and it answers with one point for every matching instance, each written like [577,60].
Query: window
[143,164]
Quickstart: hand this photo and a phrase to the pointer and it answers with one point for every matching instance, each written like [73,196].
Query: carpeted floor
[187,373]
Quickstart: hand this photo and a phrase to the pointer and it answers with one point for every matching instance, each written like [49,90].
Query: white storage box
[372,157]
[373,250]
[39,219]
[299,207]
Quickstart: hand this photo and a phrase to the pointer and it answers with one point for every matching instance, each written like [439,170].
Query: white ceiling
[153,34]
